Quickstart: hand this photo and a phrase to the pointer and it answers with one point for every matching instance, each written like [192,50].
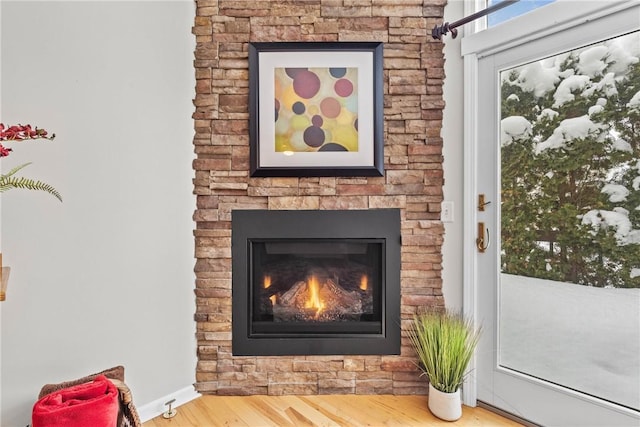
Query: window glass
[570,210]
[516,9]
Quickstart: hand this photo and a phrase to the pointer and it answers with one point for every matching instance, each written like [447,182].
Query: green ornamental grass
[445,342]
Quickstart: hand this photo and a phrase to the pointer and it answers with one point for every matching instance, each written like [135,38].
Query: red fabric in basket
[93,404]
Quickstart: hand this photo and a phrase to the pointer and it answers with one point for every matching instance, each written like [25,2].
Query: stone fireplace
[412,185]
[316,282]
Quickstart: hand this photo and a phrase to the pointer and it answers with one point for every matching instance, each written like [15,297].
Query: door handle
[482,241]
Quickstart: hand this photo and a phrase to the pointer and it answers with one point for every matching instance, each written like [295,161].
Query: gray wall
[452,150]
[106,277]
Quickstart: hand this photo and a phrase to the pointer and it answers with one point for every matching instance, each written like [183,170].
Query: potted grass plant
[444,341]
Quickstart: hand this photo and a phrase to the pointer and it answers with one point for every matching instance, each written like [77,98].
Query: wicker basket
[127,416]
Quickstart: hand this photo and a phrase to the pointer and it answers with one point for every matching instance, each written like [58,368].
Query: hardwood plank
[411,409]
[218,414]
[330,410]
[320,411]
[249,411]
[364,411]
[299,419]
[299,405]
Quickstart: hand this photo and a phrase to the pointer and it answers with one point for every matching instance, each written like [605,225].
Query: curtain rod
[442,30]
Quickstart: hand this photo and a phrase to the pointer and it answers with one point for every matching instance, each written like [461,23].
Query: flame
[314,300]
[364,282]
[272,298]
[266,282]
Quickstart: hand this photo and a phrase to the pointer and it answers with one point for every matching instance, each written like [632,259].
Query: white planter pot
[446,406]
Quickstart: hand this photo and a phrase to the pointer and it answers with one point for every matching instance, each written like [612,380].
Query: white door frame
[537,24]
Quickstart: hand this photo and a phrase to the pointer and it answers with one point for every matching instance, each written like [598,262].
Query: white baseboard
[157,407]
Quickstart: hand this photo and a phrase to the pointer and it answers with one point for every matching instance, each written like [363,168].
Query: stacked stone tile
[413,77]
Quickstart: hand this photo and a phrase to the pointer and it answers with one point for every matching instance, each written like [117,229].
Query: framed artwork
[315,109]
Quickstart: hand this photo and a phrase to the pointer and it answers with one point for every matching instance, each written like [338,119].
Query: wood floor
[323,410]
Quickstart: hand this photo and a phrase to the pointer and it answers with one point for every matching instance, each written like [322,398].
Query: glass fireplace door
[316,286]
[315,282]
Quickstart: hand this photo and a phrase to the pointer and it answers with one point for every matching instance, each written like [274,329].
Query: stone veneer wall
[413,78]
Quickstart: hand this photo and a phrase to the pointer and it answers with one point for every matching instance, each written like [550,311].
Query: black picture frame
[316,109]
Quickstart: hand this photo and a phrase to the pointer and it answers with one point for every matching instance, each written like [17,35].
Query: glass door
[558,227]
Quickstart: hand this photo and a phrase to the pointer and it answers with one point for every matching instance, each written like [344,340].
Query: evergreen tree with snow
[570,138]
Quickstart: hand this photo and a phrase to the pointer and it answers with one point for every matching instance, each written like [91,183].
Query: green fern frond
[16,169]
[8,181]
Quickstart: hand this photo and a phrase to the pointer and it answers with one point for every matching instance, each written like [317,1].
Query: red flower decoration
[4,152]
[21,133]
[9,180]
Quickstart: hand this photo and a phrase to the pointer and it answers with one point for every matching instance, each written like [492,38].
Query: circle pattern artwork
[306,84]
[298,108]
[316,109]
[344,88]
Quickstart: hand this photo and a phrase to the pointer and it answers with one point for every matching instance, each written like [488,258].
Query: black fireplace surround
[316,282]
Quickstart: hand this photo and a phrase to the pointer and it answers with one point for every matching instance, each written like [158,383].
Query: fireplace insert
[316,282]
